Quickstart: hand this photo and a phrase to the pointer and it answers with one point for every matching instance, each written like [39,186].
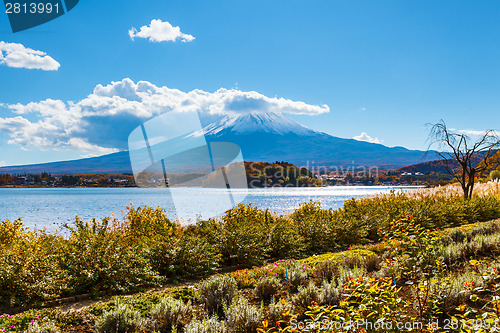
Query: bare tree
[460,148]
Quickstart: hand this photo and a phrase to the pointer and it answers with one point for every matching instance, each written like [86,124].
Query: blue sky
[384,68]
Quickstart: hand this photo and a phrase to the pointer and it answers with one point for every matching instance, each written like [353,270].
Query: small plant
[372,263]
[484,229]
[352,262]
[306,295]
[169,313]
[453,291]
[243,317]
[278,311]
[216,292]
[122,319]
[344,273]
[495,175]
[330,293]
[267,287]
[326,270]
[46,327]
[490,310]
[457,235]
[206,325]
[368,301]
[416,248]
[296,275]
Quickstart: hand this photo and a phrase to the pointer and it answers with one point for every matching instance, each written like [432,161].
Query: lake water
[52,207]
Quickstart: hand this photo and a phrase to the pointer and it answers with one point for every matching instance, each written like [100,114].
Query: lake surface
[52,207]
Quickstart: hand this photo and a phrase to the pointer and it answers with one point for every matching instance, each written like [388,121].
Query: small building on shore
[21,180]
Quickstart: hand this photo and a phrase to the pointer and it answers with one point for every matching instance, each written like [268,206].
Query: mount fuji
[271,123]
[265,137]
[275,137]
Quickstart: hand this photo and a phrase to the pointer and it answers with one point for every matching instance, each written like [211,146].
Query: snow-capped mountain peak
[275,123]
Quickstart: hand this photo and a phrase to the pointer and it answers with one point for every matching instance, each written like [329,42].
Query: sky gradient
[382,69]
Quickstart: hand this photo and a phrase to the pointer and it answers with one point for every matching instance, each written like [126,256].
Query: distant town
[386,178]
[84,180]
[303,178]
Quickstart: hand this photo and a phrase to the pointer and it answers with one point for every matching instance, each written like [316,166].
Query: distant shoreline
[270,187]
[41,186]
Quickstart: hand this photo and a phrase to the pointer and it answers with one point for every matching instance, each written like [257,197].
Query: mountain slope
[262,137]
[265,137]
[116,163]
[439,165]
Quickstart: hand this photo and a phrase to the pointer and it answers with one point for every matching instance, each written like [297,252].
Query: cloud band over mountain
[101,122]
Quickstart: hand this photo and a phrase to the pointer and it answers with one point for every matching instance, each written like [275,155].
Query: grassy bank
[414,275]
[148,249]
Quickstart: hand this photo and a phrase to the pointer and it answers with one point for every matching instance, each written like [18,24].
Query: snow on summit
[275,123]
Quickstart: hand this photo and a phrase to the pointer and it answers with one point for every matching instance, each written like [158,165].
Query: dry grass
[454,190]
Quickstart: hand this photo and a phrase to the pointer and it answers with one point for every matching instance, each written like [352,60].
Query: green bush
[495,175]
[369,302]
[359,219]
[187,256]
[241,317]
[267,287]
[241,235]
[454,290]
[122,319]
[296,276]
[315,226]
[170,313]
[484,229]
[352,262]
[326,270]
[217,292]
[457,236]
[344,273]
[206,325]
[372,263]
[330,293]
[46,327]
[284,241]
[100,257]
[29,265]
[306,295]
[12,232]
[149,224]
[119,256]
[480,241]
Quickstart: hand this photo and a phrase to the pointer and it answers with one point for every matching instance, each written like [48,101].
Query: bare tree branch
[460,148]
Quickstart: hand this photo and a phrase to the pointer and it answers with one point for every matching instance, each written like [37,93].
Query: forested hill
[439,166]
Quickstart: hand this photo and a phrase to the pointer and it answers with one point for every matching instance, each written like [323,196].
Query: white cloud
[101,122]
[159,31]
[472,132]
[18,56]
[365,137]
[3,163]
